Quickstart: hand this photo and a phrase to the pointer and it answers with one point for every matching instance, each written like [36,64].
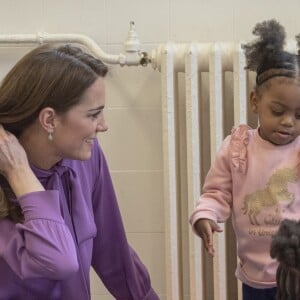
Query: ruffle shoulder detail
[238,146]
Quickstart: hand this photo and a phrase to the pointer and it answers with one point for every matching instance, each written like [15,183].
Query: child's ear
[253,101]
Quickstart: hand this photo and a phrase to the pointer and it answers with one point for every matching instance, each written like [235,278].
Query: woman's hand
[14,165]
[12,154]
[205,229]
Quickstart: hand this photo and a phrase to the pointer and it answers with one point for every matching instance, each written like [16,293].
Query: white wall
[133,144]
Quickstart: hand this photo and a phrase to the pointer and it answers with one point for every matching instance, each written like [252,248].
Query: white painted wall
[133,144]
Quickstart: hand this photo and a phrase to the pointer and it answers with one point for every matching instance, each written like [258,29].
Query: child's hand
[205,229]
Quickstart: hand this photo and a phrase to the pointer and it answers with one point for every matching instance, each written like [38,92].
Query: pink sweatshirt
[257,183]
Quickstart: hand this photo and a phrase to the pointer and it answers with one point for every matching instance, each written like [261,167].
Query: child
[254,177]
[285,247]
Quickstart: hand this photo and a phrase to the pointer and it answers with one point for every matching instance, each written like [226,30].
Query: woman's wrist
[23,181]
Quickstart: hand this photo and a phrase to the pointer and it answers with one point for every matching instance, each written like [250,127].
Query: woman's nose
[102,125]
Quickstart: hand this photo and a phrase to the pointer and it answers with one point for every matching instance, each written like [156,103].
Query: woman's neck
[39,150]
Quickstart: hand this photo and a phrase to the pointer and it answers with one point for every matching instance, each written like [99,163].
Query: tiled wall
[134,149]
[133,143]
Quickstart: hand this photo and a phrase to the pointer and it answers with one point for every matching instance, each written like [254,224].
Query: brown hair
[53,76]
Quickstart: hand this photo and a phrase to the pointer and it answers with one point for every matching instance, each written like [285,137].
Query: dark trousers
[250,293]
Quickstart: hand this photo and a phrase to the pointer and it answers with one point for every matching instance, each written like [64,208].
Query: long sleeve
[113,259]
[216,198]
[42,246]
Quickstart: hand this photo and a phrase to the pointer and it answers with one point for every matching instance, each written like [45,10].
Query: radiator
[193,130]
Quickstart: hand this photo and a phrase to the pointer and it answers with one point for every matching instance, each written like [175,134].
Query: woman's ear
[254,101]
[47,119]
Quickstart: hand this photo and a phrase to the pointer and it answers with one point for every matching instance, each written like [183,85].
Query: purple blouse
[74,224]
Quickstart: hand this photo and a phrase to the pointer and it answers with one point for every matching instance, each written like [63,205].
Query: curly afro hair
[285,247]
[266,53]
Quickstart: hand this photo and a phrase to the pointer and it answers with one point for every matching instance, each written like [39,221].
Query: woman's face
[76,130]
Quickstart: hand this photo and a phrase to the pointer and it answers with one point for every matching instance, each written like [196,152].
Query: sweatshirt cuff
[41,205]
[201,215]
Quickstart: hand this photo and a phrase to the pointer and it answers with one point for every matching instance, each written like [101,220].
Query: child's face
[278,108]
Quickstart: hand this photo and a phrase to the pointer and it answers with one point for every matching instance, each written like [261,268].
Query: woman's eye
[94,116]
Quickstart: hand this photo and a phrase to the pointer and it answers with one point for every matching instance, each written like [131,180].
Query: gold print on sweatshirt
[276,191]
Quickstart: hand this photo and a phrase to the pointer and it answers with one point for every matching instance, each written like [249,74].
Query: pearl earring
[50,136]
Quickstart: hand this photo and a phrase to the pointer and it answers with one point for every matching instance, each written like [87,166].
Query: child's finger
[216,227]
[211,250]
[208,241]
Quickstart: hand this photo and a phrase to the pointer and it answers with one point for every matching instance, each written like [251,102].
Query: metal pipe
[131,57]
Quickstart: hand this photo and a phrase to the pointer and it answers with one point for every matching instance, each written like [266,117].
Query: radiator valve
[132,44]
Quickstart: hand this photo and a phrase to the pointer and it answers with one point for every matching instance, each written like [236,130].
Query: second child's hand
[205,229]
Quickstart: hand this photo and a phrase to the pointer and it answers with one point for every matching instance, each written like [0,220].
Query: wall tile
[133,87]
[9,57]
[253,12]
[68,16]
[151,19]
[18,17]
[151,249]
[203,21]
[133,141]
[97,286]
[140,197]
[102,297]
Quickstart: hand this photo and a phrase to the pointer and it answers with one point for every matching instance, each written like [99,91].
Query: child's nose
[287,120]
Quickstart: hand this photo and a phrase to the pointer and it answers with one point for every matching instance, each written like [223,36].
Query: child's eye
[277,112]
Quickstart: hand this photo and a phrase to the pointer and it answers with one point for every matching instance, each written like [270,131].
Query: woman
[58,211]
